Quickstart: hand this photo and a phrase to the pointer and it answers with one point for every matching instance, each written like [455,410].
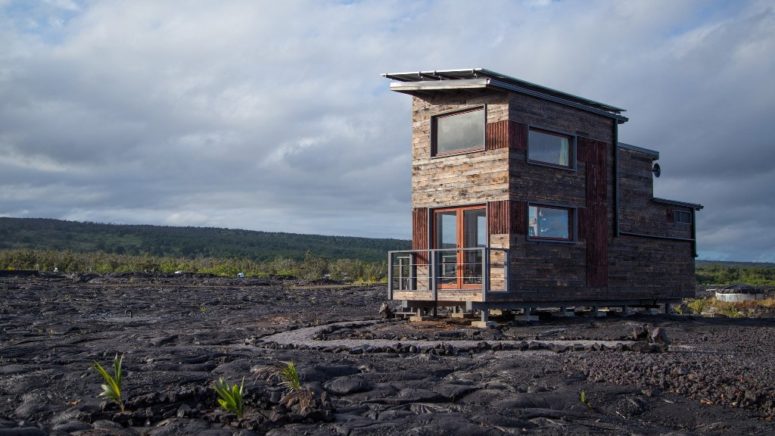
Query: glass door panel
[474,236]
[456,230]
[446,234]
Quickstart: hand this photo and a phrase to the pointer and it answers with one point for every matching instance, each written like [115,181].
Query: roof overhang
[422,82]
[647,151]
[694,206]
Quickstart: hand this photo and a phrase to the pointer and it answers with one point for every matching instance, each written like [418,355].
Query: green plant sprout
[296,394]
[290,377]
[231,399]
[583,398]
[112,387]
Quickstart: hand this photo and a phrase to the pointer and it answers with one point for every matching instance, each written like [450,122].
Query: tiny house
[523,197]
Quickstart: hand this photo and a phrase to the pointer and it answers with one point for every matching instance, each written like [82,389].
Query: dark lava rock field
[179,334]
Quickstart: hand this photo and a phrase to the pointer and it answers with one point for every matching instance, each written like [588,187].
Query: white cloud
[272,116]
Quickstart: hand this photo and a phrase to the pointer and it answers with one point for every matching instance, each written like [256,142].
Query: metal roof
[419,81]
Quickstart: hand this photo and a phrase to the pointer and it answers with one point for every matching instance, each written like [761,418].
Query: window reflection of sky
[546,222]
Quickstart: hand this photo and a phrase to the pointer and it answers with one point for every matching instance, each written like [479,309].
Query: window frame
[572,223]
[679,212]
[572,148]
[434,135]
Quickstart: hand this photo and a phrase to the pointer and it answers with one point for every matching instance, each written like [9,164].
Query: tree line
[186,242]
[732,273]
[310,267]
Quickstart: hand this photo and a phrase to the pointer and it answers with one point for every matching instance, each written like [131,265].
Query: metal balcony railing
[443,269]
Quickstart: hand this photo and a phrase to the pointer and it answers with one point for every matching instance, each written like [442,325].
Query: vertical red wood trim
[593,223]
[517,136]
[420,232]
[497,135]
[498,217]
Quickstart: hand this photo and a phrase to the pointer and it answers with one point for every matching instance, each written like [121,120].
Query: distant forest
[727,273]
[44,244]
[186,242]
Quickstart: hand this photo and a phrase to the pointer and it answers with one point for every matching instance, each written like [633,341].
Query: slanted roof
[694,206]
[647,151]
[481,78]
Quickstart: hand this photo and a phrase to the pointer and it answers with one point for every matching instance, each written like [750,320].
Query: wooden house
[523,197]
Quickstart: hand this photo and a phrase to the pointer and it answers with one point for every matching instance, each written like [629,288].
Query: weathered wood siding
[650,268]
[639,213]
[595,266]
[476,178]
[420,231]
[645,266]
[593,219]
[551,271]
[499,226]
[464,179]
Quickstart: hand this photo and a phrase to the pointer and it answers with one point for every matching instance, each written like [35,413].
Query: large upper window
[550,222]
[457,132]
[550,148]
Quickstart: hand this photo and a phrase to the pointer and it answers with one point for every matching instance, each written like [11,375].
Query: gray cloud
[272,116]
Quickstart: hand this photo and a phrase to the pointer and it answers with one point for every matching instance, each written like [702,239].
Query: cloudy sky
[273,115]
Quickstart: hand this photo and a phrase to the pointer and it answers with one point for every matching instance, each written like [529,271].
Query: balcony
[462,274]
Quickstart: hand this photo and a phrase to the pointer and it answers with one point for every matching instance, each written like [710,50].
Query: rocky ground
[179,334]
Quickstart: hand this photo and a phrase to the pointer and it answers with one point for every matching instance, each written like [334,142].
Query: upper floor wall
[458,178]
[640,212]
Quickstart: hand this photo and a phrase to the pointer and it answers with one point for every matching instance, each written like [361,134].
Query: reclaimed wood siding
[650,268]
[420,234]
[463,179]
[420,228]
[642,267]
[593,223]
[541,270]
[497,135]
[519,217]
[499,217]
[638,213]
[535,112]
[517,136]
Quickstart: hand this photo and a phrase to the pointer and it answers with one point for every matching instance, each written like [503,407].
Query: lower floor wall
[639,269]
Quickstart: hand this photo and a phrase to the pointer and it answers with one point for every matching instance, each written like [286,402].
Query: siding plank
[420,232]
[517,136]
[497,135]
[498,217]
[594,218]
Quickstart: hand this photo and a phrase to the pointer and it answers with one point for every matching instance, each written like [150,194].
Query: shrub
[698,305]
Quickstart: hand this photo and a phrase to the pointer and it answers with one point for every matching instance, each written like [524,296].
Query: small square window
[550,222]
[550,148]
[682,216]
[458,132]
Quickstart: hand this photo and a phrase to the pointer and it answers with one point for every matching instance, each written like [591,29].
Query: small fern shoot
[111,389]
[290,377]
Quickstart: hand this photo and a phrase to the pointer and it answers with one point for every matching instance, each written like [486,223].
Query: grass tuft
[111,389]
[231,398]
